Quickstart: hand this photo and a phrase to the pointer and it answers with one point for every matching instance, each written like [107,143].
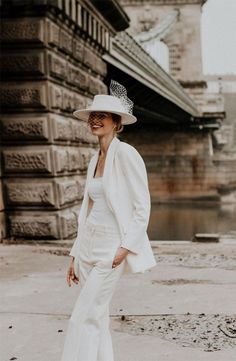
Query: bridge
[57,55]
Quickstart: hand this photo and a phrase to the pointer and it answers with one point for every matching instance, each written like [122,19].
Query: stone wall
[2,210]
[51,65]
[182,166]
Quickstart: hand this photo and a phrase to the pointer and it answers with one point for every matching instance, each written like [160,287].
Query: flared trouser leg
[105,348]
[88,336]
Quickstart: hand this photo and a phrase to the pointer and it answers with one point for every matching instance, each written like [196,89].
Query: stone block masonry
[51,65]
[181,165]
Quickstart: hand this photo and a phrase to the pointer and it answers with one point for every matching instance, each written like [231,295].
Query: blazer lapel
[107,172]
[84,207]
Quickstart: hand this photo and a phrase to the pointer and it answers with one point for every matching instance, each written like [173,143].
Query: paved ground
[183,309]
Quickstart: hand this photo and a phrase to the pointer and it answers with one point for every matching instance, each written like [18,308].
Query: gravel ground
[206,332]
[184,308]
[199,260]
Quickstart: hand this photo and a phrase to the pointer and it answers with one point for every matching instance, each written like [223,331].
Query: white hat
[117,103]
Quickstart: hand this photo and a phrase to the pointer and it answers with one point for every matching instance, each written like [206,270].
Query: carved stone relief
[34,226]
[100,67]
[53,33]
[89,58]
[63,128]
[69,225]
[68,192]
[68,100]
[54,160]
[57,66]
[97,87]
[25,128]
[72,159]
[80,102]
[86,154]
[65,41]
[75,160]
[56,99]
[65,99]
[50,96]
[1,198]
[23,96]
[45,128]
[77,77]
[78,49]
[21,64]
[29,194]
[53,193]
[22,30]
[62,161]
[2,225]
[57,225]
[27,161]
[82,133]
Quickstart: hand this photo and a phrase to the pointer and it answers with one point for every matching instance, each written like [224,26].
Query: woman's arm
[135,173]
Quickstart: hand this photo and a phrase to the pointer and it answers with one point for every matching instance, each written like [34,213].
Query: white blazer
[125,185]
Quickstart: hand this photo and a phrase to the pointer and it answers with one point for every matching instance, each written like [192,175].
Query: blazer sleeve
[135,174]
[74,247]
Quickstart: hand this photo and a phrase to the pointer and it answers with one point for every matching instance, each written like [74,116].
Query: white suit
[125,186]
[126,191]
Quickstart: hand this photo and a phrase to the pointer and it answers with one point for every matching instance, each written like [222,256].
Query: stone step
[206,237]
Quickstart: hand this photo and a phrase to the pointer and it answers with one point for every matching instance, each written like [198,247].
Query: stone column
[51,65]
[183,38]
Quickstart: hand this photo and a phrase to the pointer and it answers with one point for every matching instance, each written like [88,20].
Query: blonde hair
[117,119]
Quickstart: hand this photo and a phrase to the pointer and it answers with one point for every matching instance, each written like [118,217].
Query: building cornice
[161,2]
[110,11]
[113,12]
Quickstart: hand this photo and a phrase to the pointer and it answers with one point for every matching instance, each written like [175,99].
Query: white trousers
[88,335]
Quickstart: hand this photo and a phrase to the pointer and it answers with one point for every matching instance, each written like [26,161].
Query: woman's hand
[71,274]
[120,256]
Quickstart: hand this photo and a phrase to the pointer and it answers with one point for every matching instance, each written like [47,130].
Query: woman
[112,238]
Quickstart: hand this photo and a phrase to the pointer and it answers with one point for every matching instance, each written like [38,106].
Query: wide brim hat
[117,103]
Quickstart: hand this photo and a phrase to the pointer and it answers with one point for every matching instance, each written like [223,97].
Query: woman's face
[101,123]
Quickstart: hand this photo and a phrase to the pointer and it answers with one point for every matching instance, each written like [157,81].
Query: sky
[218,28]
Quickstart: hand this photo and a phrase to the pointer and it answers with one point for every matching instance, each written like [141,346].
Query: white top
[100,212]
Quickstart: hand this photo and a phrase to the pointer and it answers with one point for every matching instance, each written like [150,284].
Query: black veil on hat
[117,103]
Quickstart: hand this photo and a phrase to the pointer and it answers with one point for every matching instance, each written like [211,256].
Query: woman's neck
[104,143]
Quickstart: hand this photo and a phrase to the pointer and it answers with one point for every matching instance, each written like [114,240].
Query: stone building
[51,65]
